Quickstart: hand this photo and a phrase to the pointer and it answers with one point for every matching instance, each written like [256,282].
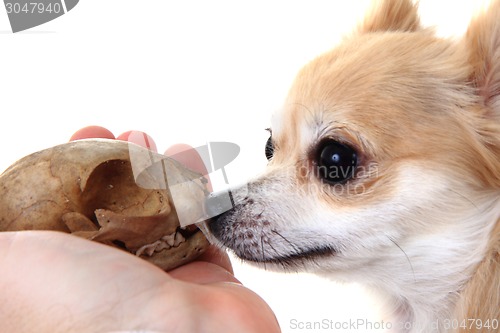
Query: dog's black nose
[218,203]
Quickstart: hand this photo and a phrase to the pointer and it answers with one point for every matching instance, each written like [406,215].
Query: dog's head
[384,157]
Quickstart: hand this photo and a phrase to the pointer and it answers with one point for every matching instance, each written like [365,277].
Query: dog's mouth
[258,242]
[288,259]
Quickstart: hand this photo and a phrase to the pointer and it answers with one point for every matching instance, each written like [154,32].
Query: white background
[185,71]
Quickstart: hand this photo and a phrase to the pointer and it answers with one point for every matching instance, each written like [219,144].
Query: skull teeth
[165,243]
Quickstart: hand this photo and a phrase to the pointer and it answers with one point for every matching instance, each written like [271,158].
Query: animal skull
[89,188]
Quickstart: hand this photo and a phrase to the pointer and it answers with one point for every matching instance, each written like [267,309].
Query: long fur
[419,223]
[480,298]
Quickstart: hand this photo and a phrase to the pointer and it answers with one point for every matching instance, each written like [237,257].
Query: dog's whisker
[466,198]
[260,214]
[262,250]
[274,249]
[286,240]
[407,258]
[396,131]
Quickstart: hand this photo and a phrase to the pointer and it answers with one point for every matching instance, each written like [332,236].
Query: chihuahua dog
[384,169]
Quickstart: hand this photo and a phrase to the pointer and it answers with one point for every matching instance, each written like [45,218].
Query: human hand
[55,282]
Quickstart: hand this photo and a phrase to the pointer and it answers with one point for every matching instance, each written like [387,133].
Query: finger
[202,272]
[189,157]
[248,310]
[216,256]
[139,138]
[92,132]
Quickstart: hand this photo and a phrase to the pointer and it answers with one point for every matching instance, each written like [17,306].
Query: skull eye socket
[336,162]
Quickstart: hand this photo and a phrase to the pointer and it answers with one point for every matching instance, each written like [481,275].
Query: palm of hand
[55,282]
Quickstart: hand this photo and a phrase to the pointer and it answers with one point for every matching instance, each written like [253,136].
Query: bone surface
[108,191]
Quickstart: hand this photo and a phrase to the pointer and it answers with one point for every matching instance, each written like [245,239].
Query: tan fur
[481,297]
[393,15]
[450,93]
[432,110]
[419,222]
[483,38]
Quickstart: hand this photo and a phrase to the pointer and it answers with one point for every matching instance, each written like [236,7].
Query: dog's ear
[483,43]
[391,15]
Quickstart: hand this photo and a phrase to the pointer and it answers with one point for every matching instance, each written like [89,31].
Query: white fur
[419,222]
[399,247]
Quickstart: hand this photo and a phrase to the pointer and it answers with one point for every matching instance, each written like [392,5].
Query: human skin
[54,282]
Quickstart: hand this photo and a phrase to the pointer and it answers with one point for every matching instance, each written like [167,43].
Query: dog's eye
[269,148]
[336,162]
